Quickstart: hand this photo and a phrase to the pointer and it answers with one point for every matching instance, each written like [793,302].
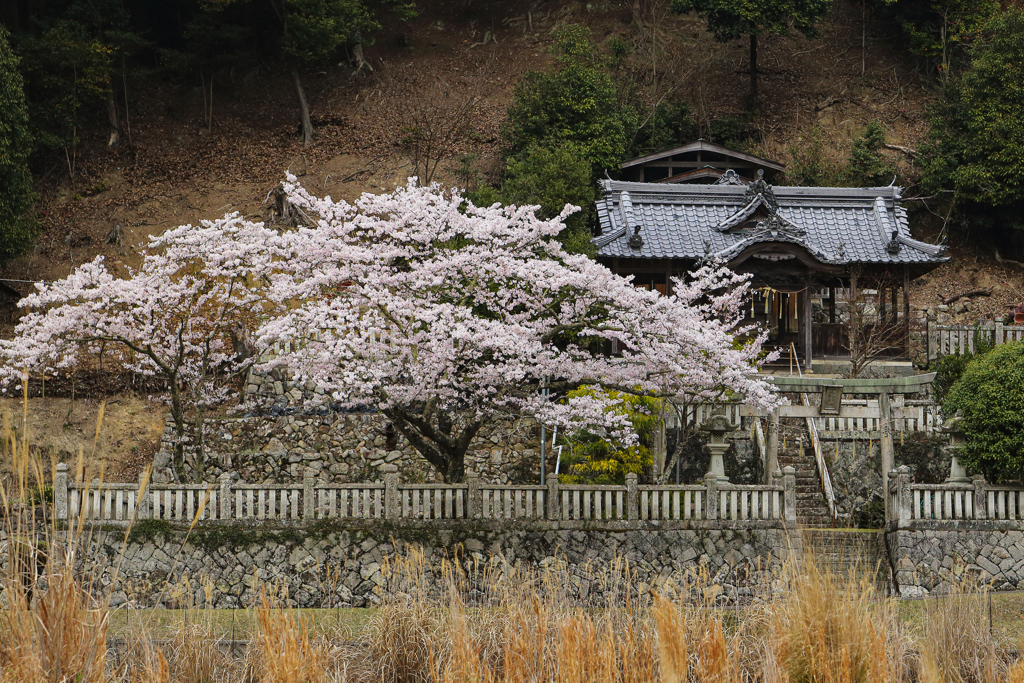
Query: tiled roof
[835,225]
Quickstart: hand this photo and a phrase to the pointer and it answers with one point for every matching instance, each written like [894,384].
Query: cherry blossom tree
[444,316]
[175,318]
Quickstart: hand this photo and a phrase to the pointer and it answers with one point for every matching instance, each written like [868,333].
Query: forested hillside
[124,118]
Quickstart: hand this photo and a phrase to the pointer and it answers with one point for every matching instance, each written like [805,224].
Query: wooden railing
[392,500]
[951,502]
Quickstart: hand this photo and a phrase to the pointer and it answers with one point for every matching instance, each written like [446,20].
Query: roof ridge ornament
[730,177]
[635,240]
[762,188]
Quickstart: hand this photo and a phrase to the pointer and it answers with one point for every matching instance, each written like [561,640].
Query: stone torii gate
[831,405]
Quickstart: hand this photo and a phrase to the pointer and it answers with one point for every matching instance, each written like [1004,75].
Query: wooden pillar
[883,312]
[808,324]
[668,277]
[906,307]
[893,308]
[832,304]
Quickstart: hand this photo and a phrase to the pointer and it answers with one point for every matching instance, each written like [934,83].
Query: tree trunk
[437,445]
[307,125]
[753,68]
[115,127]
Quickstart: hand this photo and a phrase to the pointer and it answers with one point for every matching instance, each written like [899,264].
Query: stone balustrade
[911,504]
[565,505]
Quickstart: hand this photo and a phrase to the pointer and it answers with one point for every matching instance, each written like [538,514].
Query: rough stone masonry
[332,565]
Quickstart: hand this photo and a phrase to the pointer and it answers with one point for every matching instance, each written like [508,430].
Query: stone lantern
[718,426]
[951,428]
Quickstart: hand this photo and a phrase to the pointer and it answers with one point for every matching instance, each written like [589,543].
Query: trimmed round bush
[990,394]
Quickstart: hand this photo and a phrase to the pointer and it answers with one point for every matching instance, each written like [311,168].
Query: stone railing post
[931,337]
[632,499]
[980,497]
[904,506]
[392,505]
[711,496]
[225,496]
[998,340]
[60,492]
[308,494]
[776,480]
[144,505]
[554,507]
[473,502]
[789,493]
[773,443]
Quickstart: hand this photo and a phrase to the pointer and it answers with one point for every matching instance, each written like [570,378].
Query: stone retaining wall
[932,556]
[348,448]
[330,565]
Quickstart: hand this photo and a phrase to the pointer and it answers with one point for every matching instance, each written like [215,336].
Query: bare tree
[872,330]
[432,118]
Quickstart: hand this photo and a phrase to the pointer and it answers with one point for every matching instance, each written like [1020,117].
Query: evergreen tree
[976,141]
[575,104]
[868,167]
[16,228]
[732,19]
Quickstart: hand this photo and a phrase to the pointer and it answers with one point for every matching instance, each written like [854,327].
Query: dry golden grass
[494,624]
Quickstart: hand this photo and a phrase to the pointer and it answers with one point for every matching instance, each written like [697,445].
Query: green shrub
[949,369]
[554,177]
[592,459]
[990,395]
[868,168]
[871,515]
[810,165]
[575,104]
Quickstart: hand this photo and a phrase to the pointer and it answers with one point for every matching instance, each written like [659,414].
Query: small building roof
[826,226]
[704,146]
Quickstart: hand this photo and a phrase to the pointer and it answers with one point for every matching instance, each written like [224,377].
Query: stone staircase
[853,553]
[811,508]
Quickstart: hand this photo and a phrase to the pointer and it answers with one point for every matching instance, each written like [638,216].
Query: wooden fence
[392,500]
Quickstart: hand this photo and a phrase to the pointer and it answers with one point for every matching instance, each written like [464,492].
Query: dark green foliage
[669,125]
[975,148]
[695,459]
[940,31]
[554,178]
[871,515]
[990,395]
[810,165]
[948,369]
[575,105]
[17,229]
[731,131]
[923,454]
[150,530]
[316,28]
[868,168]
[731,19]
[40,494]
